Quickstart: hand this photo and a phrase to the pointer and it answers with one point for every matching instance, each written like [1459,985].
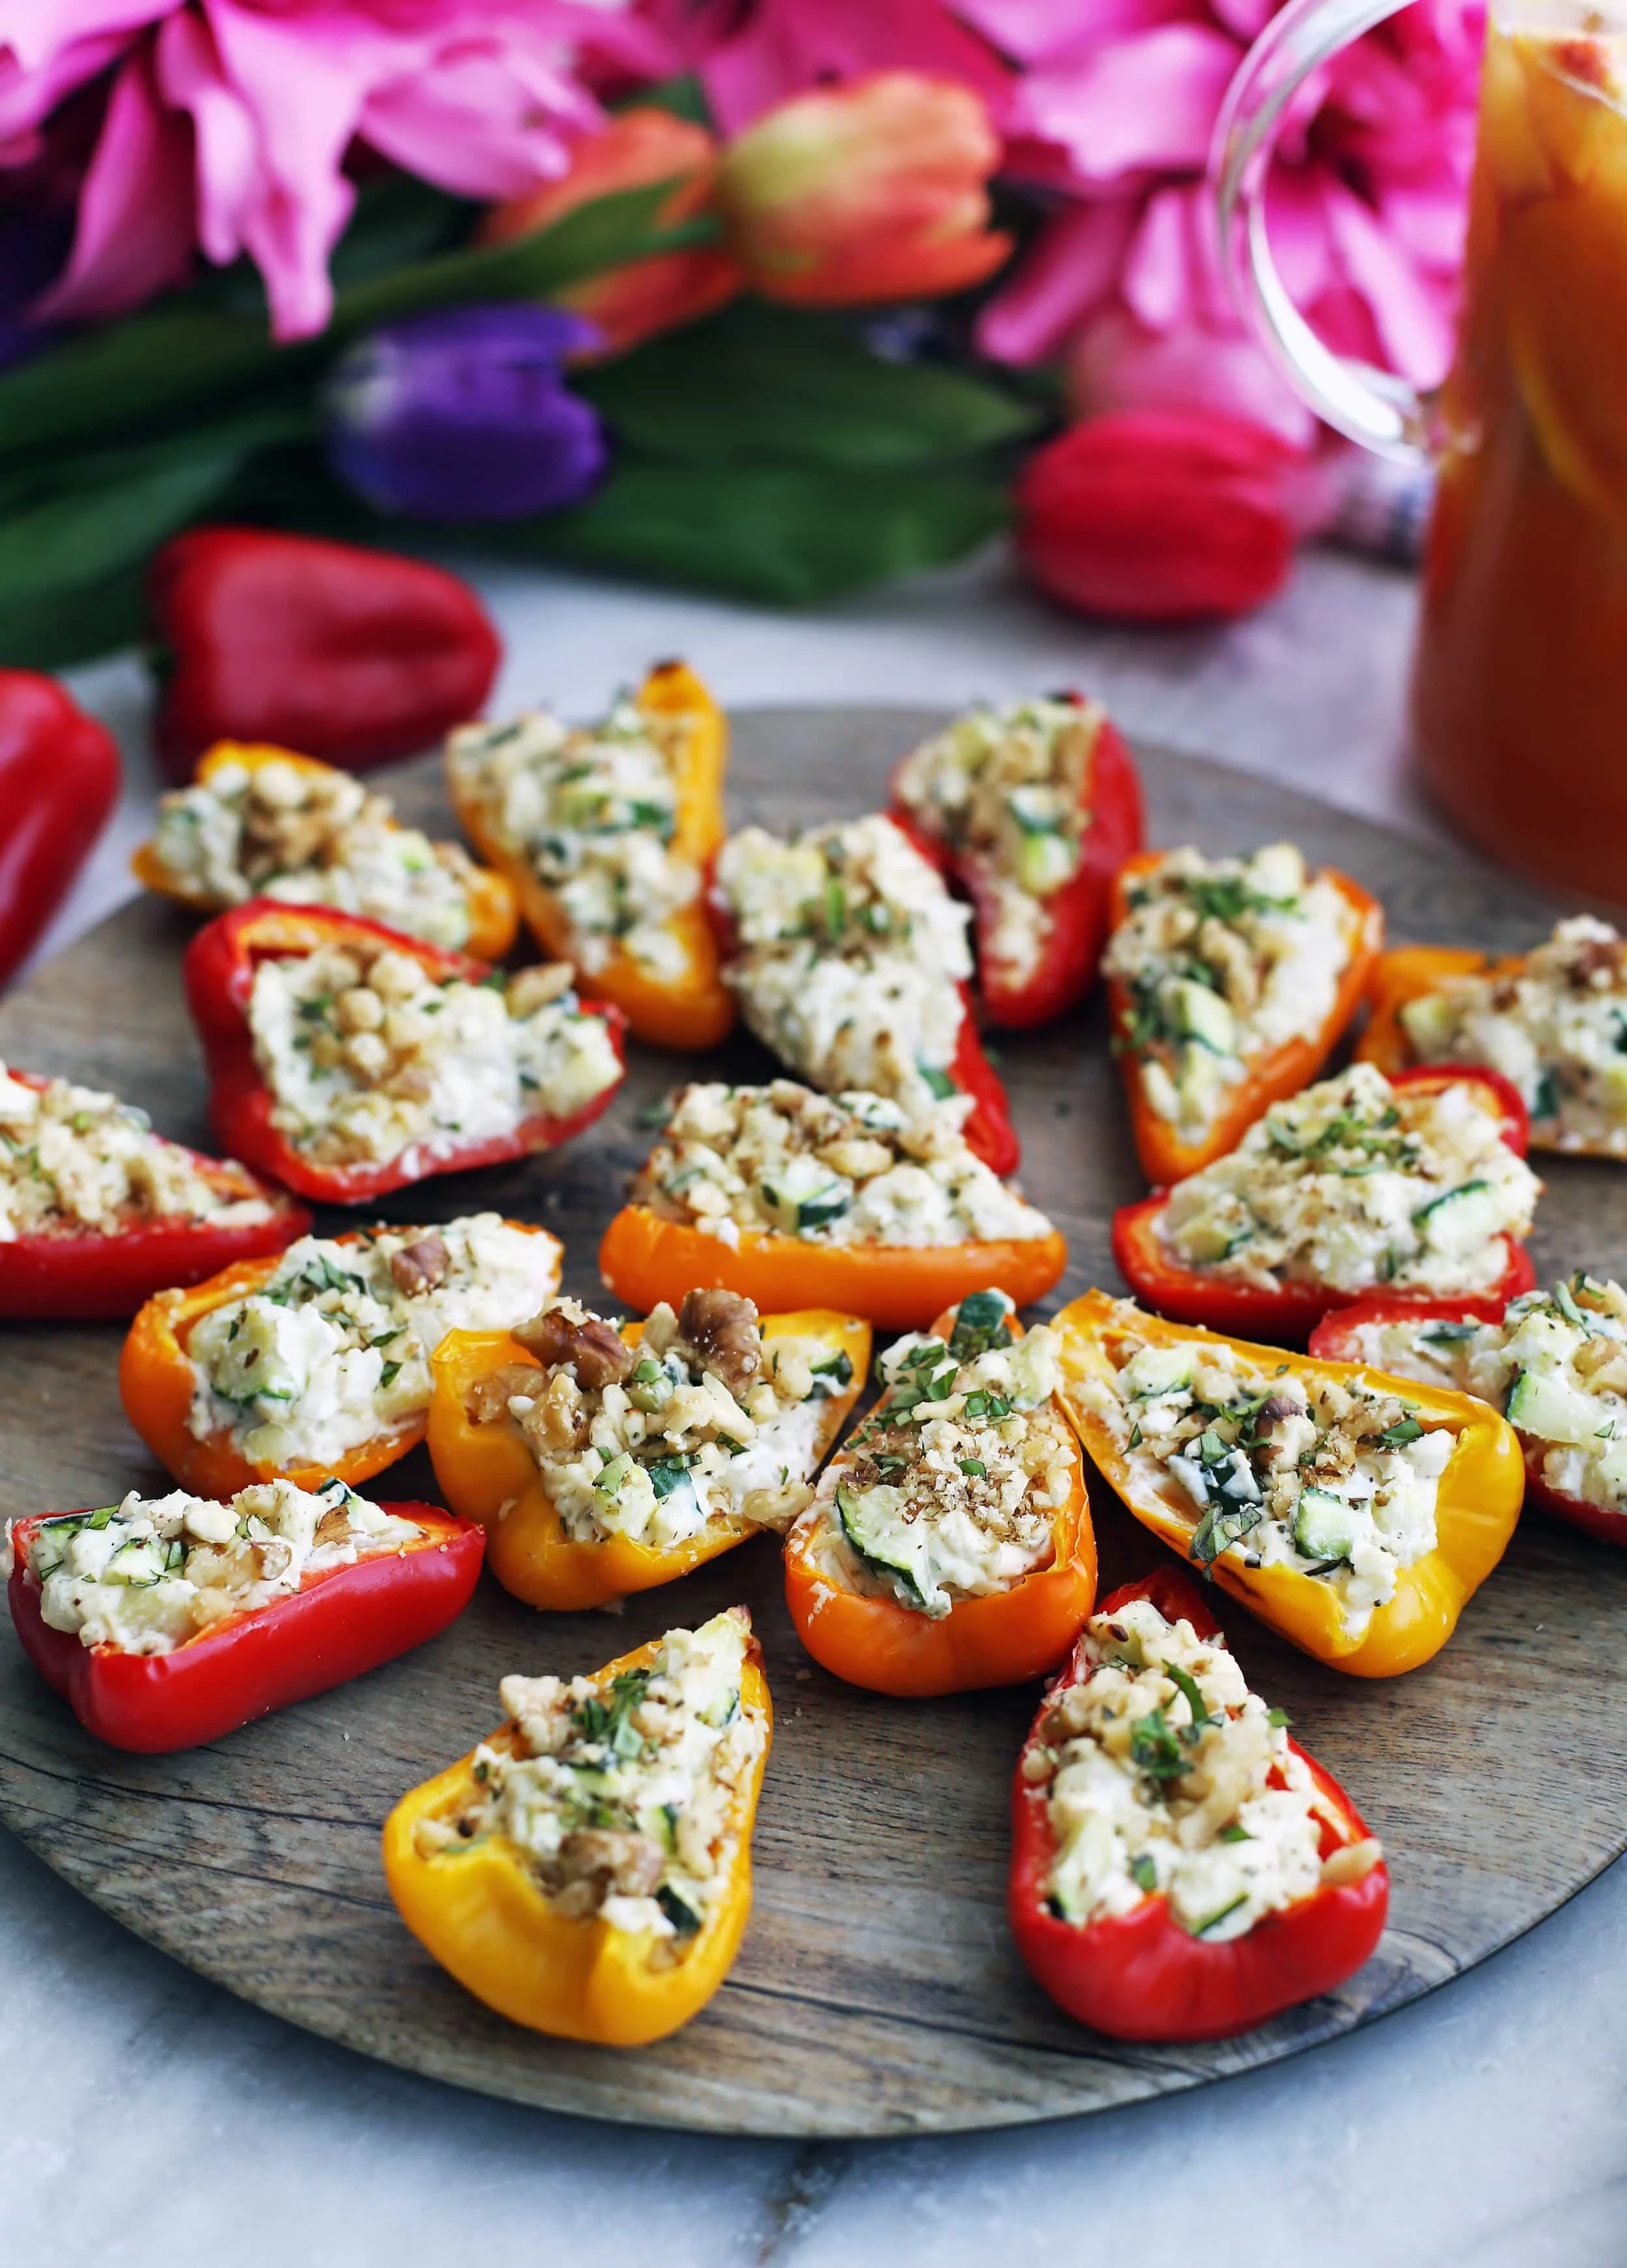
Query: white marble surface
[147,2118]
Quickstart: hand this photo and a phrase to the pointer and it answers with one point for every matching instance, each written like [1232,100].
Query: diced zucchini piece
[982,1320]
[871,1525]
[1461,1218]
[1044,863]
[1325,1525]
[1276,871]
[1548,1406]
[1157,1370]
[806,1195]
[139,1561]
[1201,1014]
[1429,1023]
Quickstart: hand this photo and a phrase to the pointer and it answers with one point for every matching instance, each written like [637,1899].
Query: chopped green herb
[1144,1872]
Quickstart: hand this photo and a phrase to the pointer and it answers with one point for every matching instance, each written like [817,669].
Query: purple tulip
[464,415]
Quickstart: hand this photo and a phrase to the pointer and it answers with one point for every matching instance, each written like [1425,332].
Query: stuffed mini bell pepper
[1554,1362]
[850,961]
[1180,1869]
[1354,1512]
[587,1870]
[167,1623]
[264,822]
[99,1210]
[1230,983]
[349,1060]
[1031,810]
[823,1201]
[317,1364]
[950,1545]
[607,832]
[1551,1021]
[605,1460]
[1416,1186]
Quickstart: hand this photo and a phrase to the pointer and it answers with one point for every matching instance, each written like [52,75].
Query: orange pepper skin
[1003,1640]
[1476,1507]
[157,1381]
[494,911]
[481,1913]
[644,1259]
[697,1010]
[488,1475]
[1164,1156]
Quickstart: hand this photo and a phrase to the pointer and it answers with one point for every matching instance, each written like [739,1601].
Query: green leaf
[685,97]
[781,533]
[53,629]
[762,384]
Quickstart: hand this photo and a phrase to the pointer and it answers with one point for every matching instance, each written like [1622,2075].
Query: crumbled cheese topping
[1167,1778]
[623,1793]
[847,1169]
[950,1489]
[1355,1183]
[334,1350]
[315,838]
[1556,1366]
[367,1056]
[1224,960]
[1278,1467]
[703,1421]
[594,811]
[1556,1028]
[73,1159]
[850,954]
[150,1573]
[1006,787]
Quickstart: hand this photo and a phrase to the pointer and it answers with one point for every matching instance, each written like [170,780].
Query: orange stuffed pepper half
[950,1545]
[827,1201]
[604,1459]
[316,1364]
[1354,1512]
[587,1870]
[607,831]
[264,822]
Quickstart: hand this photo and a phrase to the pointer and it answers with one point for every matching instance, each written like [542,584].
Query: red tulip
[1160,516]
[872,190]
[634,150]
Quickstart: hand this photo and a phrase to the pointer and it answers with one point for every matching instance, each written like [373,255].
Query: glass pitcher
[1519,677]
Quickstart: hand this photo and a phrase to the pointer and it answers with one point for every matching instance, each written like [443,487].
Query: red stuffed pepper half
[1554,1362]
[349,1060]
[170,1622]
[1416,1187]
[1180,1869]
[850,961]
[1031,810]
[97,1212]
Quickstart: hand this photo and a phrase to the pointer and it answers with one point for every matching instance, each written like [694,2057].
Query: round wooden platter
[877,1991]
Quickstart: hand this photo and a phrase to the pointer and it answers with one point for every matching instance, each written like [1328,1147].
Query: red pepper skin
[1335,1339]
[218,973]
[1284,1317]
[1077,924]
[59,781]
[337,1626]
[355,656]
[80,1276]
[1140,1976]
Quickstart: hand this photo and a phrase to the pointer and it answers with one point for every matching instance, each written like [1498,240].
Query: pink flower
[228,122]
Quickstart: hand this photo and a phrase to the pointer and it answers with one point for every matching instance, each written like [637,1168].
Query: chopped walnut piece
[418,1268]
[533,988]
[593,1347]
[722,1328]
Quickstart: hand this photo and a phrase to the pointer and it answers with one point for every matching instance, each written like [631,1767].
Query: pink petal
[787,46]
[1413,321]
[1142,102]
[38,31]
[1044,32]
[1159,281]
[1117,363]
[1296,225]
[26,97]
[1063,278]
[228,147]
[484,124]
[133,235]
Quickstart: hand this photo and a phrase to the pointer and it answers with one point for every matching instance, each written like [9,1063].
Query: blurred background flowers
[776,296]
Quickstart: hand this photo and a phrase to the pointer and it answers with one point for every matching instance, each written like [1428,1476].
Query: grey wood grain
[877,1991]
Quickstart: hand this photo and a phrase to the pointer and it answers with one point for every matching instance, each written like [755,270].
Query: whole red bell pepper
[1076,915]
[59,781]
[340,1622]
[1139,1975]
[1338,1338]
[218,973]
[354,656]
[1284,1315]
[82,1275]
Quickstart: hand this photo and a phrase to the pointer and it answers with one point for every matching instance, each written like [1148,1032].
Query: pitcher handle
[1370,406]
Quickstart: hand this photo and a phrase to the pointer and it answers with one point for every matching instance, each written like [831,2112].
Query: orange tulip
[634,150]
[874,190]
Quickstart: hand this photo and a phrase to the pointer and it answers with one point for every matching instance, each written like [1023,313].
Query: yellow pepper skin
[1478,1502]
[489,1473]
[696,1009]
[482,1914]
